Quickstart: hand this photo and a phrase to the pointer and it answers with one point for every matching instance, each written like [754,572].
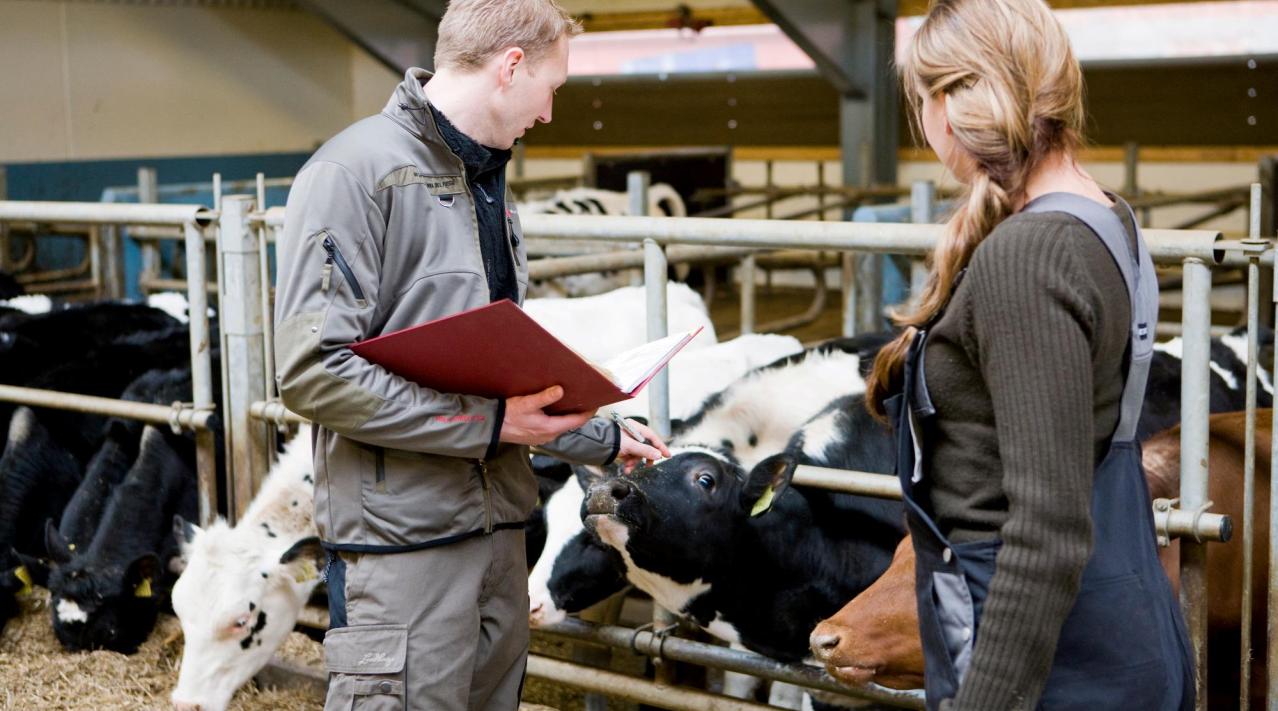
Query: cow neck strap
[1142,287]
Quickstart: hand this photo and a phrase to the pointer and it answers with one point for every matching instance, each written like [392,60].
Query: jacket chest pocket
[335,261]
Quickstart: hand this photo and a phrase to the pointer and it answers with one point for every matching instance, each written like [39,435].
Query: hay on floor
[37,673]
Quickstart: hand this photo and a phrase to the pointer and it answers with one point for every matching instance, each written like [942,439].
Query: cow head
[681,518]
[574,570]
[237,599]
[18,573]
[101,606]
[875,637]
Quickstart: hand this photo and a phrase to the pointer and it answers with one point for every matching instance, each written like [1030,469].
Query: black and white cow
[37,479]
[1228,380]
[108,595]
[752,418]
[46,451]
[119,449]
[242,587]
[721,544]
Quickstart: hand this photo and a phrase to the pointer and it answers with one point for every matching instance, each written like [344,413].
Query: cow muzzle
[603,498]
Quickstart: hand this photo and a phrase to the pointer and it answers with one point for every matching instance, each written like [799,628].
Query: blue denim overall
[1123,645]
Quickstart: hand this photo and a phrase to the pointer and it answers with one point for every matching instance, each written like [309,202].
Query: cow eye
[705,481]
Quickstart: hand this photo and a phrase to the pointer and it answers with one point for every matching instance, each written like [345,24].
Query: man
[421,496]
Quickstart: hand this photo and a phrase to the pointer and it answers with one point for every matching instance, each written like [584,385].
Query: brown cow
[874,638]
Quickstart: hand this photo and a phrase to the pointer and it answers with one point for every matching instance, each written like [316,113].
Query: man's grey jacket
[380,234]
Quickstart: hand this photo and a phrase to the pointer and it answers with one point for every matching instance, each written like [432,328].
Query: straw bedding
[37,674]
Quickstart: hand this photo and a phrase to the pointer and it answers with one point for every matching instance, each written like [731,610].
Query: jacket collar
[408,107]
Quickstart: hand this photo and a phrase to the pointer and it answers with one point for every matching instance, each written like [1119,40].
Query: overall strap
[1142,286]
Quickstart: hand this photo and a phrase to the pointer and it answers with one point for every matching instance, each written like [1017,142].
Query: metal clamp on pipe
[1171,522]
[183,415]
[273,411]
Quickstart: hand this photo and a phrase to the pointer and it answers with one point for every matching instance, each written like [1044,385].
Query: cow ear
[31,571]
[184,531]
[768,480]
[55,545]
[305,559]
[588,476]
[141,573]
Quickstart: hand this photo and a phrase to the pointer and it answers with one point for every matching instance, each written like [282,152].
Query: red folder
[496,350]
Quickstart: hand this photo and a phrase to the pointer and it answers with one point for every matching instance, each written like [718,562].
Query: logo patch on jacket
[410,175]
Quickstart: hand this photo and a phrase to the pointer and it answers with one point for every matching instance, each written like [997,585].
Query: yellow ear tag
[22,574]
[764,502]
[308,572]
[143,589]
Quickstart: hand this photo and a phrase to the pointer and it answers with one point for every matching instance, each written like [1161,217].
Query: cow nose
[620,489]
[823,643]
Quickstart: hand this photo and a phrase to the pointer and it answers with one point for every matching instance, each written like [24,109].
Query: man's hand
[634,452]
[525,423]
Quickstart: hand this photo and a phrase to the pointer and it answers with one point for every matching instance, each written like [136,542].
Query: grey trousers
[441,629]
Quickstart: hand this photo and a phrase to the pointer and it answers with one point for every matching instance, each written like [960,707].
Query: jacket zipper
[488,496]
[335,257]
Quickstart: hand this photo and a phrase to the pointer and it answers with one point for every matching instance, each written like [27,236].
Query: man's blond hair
[472,31]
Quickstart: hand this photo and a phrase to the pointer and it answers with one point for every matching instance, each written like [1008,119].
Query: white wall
[86,80]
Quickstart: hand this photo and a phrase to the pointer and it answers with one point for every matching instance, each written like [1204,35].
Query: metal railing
[1196,251]
[192,219]
[243,234]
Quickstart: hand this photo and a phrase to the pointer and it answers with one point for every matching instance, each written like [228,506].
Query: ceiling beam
[749,15]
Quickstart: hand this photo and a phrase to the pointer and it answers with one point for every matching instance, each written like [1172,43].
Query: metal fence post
[201,368]
[1249,448]
[239,289]
[869,292]
[847,286]
[637,192]
[922,212]
[654,279]
[148,193]
[747,272]
[1194,408]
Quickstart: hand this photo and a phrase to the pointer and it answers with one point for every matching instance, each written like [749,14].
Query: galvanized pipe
[1249,452]
[243,351]
[1195,406]
[149,193]
[709,655]
[634,689]
[847,286]
[1169,522]
[274,411]
[747,277]
[631,259]
[1166,246]
[201,369]
[1271,619]
[268,317]
[183,415]
[100,213]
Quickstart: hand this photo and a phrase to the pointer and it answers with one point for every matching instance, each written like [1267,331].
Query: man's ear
[511,59]
[767,481]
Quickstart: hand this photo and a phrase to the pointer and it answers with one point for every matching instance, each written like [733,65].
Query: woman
[1016,387]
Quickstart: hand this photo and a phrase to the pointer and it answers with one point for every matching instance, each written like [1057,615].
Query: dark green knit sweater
[1026,372]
